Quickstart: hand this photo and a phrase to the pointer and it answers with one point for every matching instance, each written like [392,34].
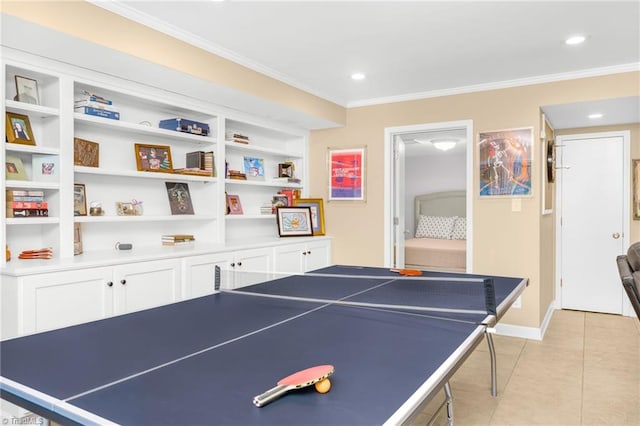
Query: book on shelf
[192,171]
[210,163]
[238,138]
[204,161]
[17,205]
[88,96]
[113,115]
[195,160]
[236,174]
[267,208]
[94,104]
[17,213]
[178,239]
[24,195]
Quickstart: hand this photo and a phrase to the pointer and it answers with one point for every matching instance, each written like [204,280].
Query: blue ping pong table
[201,361]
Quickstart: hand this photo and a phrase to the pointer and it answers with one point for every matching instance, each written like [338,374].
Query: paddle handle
[270,395]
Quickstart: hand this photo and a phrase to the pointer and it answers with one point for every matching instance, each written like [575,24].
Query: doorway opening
[411,162]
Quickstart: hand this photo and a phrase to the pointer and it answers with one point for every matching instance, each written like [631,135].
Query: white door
[592,207]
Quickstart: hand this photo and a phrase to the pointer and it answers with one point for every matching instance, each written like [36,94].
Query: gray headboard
[446,203]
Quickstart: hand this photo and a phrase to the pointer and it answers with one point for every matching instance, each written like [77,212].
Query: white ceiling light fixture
[358,76]
[444,145]
[576,39]
[595,116]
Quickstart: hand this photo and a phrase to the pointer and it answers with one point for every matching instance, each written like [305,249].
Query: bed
[440,232]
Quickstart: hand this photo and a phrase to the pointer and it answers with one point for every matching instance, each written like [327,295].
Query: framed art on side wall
[636,189]
[347,174]
[505,162]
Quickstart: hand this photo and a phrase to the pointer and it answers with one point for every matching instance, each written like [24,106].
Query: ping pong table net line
[488,292]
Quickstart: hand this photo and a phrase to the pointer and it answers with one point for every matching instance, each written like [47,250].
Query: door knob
[616,235]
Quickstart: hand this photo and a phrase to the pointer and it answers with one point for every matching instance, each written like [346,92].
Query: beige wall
[84,20]
[505,242]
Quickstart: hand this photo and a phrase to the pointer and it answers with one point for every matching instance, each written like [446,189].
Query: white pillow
[459,231]
[435,227]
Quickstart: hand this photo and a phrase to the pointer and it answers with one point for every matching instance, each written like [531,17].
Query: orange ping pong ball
[323,386]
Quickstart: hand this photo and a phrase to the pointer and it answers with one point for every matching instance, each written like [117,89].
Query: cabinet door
[146,285]
[200,273]
[290,258]
[318,255]
[66,298]
[252,266]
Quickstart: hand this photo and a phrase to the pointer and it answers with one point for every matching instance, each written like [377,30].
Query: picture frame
[125,208]
[18,129]
[505,158]
[153,158]
[179,198]
[294,221]
[317,212]
[27,90]
[254,168]
[636,189]
[233,204]
[347,171]
[14,168]
[79,199]
[45,168]
[285,170]
[77,238]
[86,153]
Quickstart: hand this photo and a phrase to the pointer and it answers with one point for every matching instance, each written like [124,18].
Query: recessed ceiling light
[358,76]
[575,39]
[594,116]
[444,145]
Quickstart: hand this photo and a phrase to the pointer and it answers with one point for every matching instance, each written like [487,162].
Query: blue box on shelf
[186,126]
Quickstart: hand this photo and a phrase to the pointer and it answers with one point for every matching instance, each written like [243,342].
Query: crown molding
[550,78]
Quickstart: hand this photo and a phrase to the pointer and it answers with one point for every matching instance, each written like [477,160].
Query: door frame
[626,191]
[389,135]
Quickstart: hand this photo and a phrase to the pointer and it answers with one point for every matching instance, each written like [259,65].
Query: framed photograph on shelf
[18,129]
[86,153]
[77,239]
[294,221]
[179,198]
[27,90]
[347,174]
[505,162]
[79,200]
[636,189]
[254,168]
[233,204]
[44,167]
[285,170]
[153,158]
[317,212]
[14,169]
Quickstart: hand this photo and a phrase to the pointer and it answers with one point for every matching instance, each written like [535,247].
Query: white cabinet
[65,298]
[199,279]
[146,284]
[302,257]
[60,299]
[251,266]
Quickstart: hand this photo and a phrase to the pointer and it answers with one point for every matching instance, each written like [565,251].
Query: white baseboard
[523,332]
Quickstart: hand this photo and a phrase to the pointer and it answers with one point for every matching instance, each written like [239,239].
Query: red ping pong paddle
[301,379]
[408,272]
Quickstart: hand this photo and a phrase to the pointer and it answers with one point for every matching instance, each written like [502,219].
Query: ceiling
[406,49]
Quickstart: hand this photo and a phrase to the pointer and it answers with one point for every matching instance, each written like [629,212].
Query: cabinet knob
[110,284]
[309,252]
[239,263]
[123,282]
[233,265]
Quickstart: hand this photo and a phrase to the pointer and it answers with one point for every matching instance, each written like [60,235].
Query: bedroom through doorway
[428,179]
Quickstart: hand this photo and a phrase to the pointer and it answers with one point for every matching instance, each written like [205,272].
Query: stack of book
[267,208]
[26,203]
[236,174]
[177,239]
[91,104]
[199,163]
[237,137]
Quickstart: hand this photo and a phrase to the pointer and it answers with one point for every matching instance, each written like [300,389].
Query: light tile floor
[586,371]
